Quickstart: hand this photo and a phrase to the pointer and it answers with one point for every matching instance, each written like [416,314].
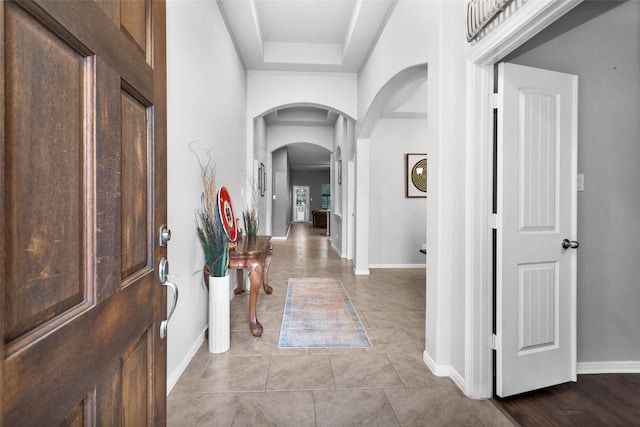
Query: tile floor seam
[395,412]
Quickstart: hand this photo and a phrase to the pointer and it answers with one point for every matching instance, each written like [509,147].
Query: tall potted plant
[215,246]
[208,226]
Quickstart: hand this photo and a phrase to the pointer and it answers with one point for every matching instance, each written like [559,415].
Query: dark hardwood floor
[595,400]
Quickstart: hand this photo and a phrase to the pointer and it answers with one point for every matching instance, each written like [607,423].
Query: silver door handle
[566,244]
[163,272]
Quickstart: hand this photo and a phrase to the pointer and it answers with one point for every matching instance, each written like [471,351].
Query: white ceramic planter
[219,314]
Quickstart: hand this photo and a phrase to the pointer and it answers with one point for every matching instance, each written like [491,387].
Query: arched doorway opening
[400,101]
[298,141]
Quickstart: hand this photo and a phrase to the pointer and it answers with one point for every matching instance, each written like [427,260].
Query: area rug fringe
[318,314]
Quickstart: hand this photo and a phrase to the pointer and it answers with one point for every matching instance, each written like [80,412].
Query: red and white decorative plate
[227,217]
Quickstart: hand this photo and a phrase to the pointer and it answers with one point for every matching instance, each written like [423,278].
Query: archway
[309,130]
[397,90]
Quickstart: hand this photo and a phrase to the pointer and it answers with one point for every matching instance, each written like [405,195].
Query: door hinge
[495,101]
[493,221]
[495,342]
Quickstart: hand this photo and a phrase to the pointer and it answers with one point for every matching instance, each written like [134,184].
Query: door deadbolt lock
[164,235]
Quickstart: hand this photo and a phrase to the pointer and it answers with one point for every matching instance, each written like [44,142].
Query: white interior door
[300,204]
[537,210]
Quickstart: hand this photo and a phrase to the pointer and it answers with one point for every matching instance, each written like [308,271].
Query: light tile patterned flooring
[257,384]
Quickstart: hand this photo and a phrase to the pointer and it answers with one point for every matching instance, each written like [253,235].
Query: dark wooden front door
[83,158]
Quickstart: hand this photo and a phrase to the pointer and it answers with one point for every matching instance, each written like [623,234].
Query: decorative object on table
[251,215]
[416,175]
[251,223]
[226,214]
[319,314]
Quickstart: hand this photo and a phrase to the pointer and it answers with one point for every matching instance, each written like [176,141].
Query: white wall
[399,224]
[409,38]
[206,89]
[279,136]
[270,89]
[600,42]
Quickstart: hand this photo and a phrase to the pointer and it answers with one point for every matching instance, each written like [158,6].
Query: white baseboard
[175,375]
[436,369]
[336,250]
[286,236]
[617,367]
[361,272]
[457,379]
[444,371]
[397,265]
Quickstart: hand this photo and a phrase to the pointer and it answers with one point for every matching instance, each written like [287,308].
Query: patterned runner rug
[319,314]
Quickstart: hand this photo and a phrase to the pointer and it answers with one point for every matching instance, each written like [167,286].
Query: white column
[361,261]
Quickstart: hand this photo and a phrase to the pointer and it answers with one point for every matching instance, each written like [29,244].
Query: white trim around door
[527,21]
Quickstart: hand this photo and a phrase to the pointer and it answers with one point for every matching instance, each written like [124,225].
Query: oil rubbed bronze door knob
[566,244]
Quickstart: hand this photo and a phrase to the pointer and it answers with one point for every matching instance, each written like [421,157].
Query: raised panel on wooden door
[136,215]
[134,20]
[133,17]
[80,416]
[136,369]
[46,147]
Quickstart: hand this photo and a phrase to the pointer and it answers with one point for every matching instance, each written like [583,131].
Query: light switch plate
[580,182]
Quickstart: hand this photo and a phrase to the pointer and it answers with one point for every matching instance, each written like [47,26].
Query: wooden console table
[254,254]
[320,218]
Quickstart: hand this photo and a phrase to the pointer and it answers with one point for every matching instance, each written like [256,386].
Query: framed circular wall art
[416,175]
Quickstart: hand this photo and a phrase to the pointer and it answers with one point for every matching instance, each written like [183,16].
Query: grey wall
[280,208]
[314,179]
[398,225]
[600,42]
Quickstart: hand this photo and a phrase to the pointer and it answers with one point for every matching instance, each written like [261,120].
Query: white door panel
[301,204]
[537,205]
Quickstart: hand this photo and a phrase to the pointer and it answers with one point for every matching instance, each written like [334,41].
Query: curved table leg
[255,274]
[240,288]
[265,272]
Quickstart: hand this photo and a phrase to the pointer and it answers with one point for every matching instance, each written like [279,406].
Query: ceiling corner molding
[352,25]
[381,27]
[256,24]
